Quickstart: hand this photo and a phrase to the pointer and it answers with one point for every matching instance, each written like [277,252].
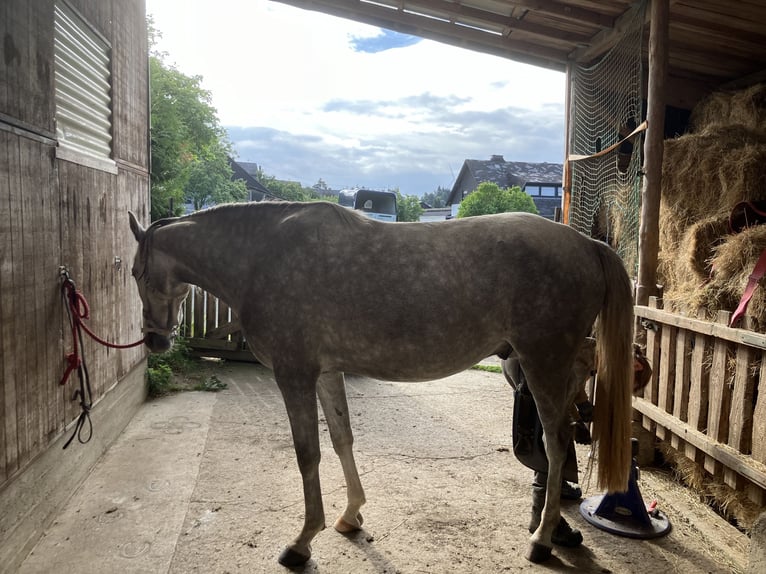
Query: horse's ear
[135,227]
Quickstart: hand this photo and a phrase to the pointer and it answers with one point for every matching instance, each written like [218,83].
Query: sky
[307,96]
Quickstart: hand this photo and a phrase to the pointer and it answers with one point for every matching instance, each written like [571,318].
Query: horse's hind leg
[332,395]
[552,397]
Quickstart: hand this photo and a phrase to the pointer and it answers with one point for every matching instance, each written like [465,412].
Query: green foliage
[162,366]
[189,147]
[489,198]
[211,385]
[407,207]
[210,180]
[159,379]
[437,198]
[488,368]
[287,190]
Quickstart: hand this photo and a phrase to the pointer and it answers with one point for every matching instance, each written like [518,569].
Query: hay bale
[746,108]
[705,175]
[733,262]
[689,267]
[712,268]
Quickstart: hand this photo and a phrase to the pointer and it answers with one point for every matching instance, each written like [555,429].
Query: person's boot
[581,433]
[563,534]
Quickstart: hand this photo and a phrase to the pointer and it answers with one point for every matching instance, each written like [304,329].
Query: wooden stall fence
[707,398]
[211,329]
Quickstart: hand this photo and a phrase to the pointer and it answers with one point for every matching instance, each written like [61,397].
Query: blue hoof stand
[624,513]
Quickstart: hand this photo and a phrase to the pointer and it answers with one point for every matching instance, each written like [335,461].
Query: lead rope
[77,310]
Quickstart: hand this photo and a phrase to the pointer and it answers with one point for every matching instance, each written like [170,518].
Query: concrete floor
[203,482]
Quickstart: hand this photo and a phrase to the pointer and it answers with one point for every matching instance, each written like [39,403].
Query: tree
[189,147]
[437,198]
[407,207]
[209,180]
[286,190]
[489,198]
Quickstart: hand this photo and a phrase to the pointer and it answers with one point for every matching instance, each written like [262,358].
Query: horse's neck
[206,255]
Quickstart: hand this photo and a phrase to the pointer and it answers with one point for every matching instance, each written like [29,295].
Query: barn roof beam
[439,29]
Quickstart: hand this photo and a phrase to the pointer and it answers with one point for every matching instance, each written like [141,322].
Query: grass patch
[488,368]
[178,370]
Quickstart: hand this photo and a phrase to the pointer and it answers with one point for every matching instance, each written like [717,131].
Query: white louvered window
[82,92]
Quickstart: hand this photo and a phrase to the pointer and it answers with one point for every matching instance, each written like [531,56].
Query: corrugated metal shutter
[83,89]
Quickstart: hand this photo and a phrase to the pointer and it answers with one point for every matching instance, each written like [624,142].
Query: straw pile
[705,174]
[734,505]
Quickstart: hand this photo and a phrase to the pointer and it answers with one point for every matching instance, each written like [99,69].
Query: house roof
[505,174]
[239,171]
[712,43]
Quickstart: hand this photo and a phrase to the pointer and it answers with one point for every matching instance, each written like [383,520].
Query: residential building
[542,181]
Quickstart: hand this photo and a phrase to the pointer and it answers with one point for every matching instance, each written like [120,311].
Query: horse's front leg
[299,393]
[332,395]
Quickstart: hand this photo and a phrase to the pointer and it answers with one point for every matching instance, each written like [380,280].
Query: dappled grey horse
[321,290]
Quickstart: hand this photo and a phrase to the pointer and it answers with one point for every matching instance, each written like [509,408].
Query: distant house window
[538,189]
[549,191]
[82,91]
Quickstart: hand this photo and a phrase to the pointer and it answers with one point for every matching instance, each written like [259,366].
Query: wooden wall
[55,213]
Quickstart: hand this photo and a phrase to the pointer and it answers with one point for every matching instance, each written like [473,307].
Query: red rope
[79,311]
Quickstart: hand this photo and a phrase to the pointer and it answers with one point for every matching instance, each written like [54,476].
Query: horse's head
[161,293]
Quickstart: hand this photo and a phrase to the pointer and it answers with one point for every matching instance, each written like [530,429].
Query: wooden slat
[740,418]
[216,344]
[758,436]
[720,397]
[199,313]
[718,330]
[210,312]
[682,381]
[667,372]
[653,355]
[223,331]
[699,385]
[744,465]
[32,297]
[7,392]
[17,383]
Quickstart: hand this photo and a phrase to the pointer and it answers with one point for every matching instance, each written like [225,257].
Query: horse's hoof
[345,527]
[538,553]
[292,559]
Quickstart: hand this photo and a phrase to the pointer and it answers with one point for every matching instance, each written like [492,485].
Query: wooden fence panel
[212,329]
[707,398]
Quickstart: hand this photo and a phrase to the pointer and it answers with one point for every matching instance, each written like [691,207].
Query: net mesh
[606,106]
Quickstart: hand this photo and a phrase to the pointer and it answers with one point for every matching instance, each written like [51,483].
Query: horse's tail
[612,406]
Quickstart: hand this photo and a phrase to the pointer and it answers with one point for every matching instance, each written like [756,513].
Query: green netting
[606,106]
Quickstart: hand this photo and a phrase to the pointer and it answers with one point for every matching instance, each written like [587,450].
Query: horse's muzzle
[158,343]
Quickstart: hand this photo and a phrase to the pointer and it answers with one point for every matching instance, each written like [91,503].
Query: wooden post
[649,232]
[566,183]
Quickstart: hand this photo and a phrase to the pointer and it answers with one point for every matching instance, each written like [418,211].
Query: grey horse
[321,290]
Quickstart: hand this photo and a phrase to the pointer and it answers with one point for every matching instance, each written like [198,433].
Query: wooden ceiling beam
[566,11]
[513,24]
[605,40]
[440,30]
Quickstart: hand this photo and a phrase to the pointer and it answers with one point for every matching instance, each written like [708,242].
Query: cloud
[416,161]
[310,96]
